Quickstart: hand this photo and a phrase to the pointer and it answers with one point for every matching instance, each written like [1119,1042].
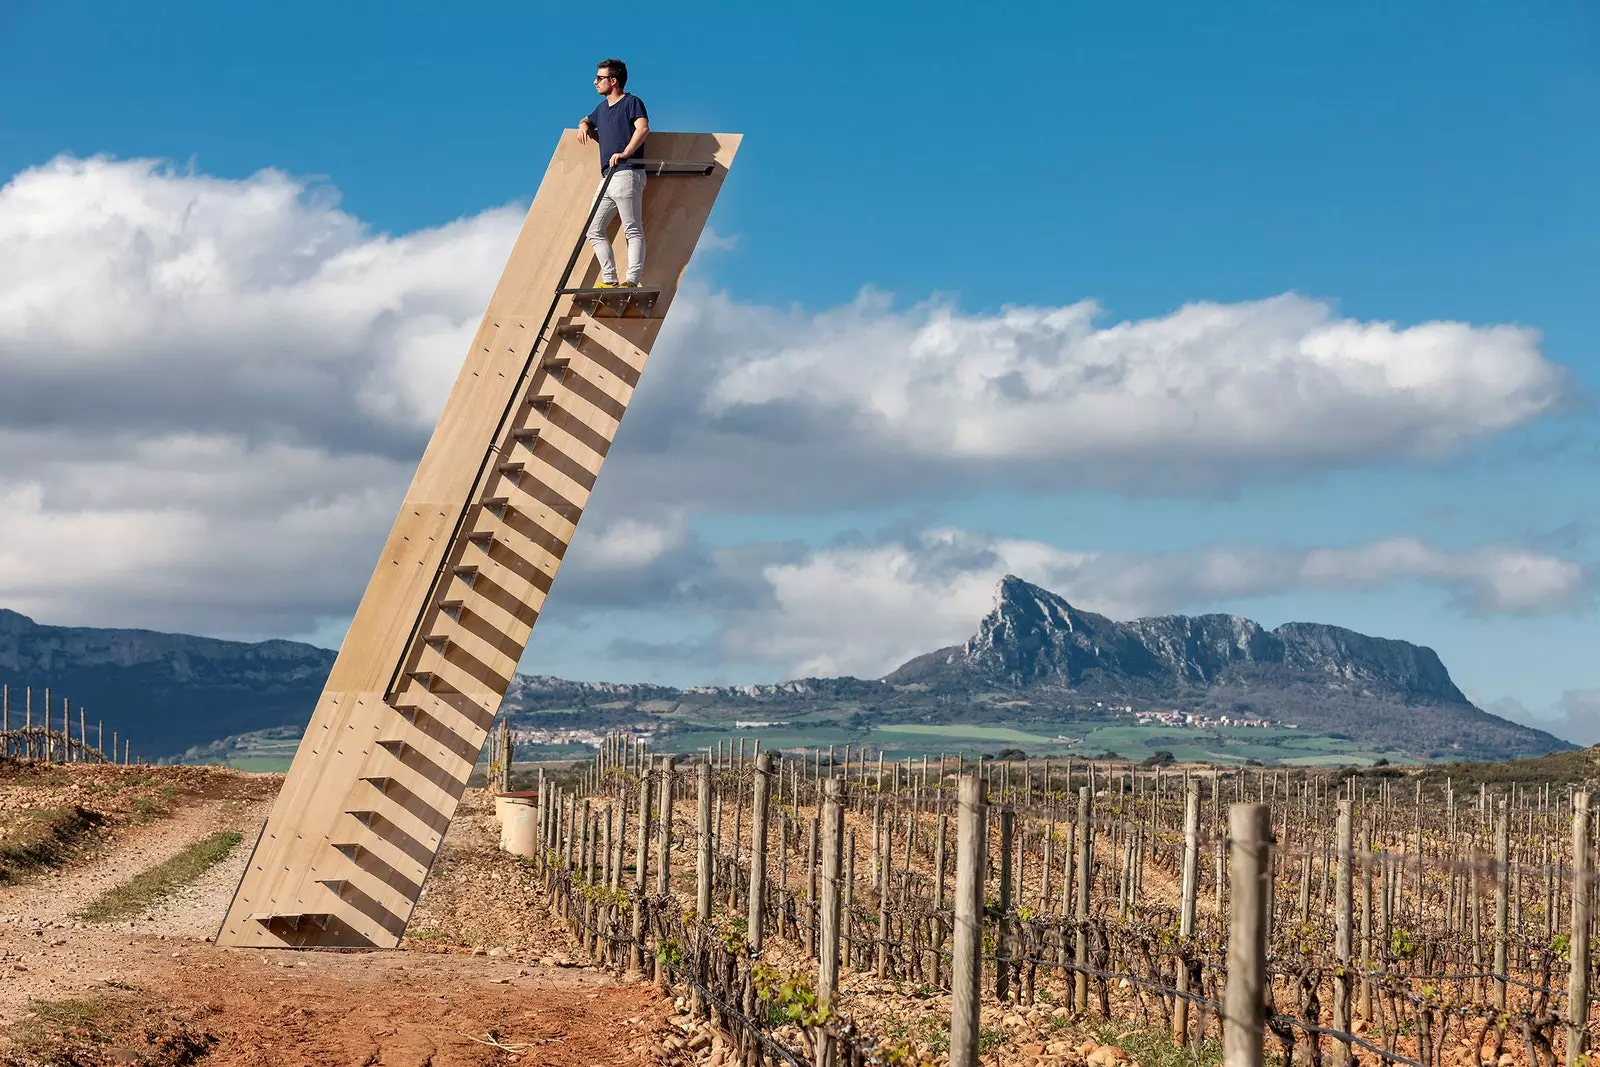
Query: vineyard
[29,738]
[850,911]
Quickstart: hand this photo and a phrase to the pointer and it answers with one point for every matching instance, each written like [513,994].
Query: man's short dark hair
[617,69]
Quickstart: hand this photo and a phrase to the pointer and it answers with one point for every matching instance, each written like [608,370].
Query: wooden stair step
[293,921]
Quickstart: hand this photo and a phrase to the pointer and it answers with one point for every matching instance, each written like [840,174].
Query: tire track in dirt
[196,910]
[54,896]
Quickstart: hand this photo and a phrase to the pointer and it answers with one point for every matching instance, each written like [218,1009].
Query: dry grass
[43,837]
[114,1026]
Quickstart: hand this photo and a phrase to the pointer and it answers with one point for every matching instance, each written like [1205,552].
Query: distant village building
[1199,722]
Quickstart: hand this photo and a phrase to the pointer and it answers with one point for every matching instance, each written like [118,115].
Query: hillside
[1576,767]
[1388,693]
[165,691]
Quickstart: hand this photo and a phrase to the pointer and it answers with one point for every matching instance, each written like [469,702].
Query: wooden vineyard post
[605,874]
[1080,911]
[666,768]
[877,843]
[1578,981]
[886,854]
[1002,962]
[1244,1004]
[619,840]
[1366,919]
[828,924]
[663,862]
[811,889]
[1189,887]
[938,891]
[542,839]
[584,869]
[641,864]
[738,830]
[847,934]
[506,748]
[966,966]
[594,871]
[570,844]
[1502,886]
[1343,929]
[702,867]
[1417,852]
[1044,858]
[783,845]
[758,851]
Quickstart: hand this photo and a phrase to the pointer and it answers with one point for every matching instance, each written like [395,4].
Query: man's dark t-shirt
[613,126]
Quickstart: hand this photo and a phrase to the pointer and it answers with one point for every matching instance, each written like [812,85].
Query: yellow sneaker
[608,285]
[628,285]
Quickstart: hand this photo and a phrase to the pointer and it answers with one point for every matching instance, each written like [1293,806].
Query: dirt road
[486,976]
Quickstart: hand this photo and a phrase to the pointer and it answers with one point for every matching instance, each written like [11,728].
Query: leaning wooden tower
[464,573]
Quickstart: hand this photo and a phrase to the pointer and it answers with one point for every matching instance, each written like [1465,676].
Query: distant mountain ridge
[1033,658]
[165,692]
[1033,637]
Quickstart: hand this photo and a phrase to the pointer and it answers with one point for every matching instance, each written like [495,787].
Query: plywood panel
[415,688]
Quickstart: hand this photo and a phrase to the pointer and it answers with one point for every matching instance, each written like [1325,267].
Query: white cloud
[1211,394]
[132,295]
[215,391]
[633,542]
[860,611]
[1488,579]
[1575,717]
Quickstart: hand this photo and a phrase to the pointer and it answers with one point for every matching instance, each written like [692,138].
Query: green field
[979,735]
[272,751]
[265,751]
[1227,746]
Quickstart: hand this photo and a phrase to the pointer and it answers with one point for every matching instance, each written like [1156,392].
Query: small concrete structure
[519,817]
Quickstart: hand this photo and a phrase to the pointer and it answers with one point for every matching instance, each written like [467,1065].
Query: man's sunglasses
[605,77]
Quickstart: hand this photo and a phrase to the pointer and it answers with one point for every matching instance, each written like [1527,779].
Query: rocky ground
[485,978]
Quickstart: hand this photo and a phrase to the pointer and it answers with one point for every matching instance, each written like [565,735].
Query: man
[620,124]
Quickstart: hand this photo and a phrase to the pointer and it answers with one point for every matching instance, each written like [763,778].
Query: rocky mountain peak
[14,621]
[1035,637]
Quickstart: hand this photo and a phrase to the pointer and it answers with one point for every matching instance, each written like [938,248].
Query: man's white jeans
[624,197]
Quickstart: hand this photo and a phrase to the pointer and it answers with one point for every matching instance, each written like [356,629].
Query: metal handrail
[690,167]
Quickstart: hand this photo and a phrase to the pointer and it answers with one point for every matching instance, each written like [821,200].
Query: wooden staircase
[463,576]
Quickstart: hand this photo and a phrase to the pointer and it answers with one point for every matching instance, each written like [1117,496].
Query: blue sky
[1398,163]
